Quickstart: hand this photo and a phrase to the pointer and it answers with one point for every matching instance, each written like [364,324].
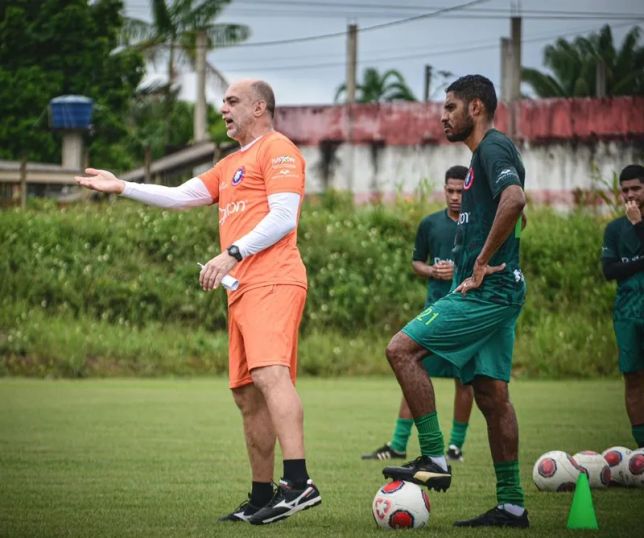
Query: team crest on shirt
[469,179]
[238,176]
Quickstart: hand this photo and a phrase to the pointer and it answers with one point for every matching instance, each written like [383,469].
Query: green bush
[111,288]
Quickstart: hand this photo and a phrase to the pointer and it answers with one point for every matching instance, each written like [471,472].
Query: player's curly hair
[475,87]
[456,172]
[632,171]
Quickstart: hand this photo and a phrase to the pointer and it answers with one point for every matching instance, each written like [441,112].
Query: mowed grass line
[132,457]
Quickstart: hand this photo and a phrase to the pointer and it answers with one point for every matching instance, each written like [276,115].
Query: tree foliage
[573,66]
[172,37]
[378,87]
[50,48]
[148,120]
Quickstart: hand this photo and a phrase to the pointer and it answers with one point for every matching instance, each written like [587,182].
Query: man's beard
[459,136]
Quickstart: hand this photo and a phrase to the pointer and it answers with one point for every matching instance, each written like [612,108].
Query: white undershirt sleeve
[281,220]
[192,193]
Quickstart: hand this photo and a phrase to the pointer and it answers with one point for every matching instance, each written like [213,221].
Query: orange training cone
[582,512]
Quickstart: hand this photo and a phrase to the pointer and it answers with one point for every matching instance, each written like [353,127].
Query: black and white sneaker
[497,517]
[242,512]
[422,471]
[385,452]
[286,502]
[454,453]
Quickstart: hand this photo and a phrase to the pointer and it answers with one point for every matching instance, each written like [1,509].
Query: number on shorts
[429,314]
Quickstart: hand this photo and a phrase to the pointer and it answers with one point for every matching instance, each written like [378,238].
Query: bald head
[264,92]
[258,90]
[248,109]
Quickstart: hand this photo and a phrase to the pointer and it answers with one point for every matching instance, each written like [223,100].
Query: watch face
[233,250]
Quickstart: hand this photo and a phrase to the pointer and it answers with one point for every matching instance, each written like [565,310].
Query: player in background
[623,260]
[434,242]
[473,326]
[259,191]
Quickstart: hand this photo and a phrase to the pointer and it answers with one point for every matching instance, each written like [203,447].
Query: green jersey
[434,243]
[496,164]
[621,244]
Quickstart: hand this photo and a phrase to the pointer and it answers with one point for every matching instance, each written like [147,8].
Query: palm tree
[378,88]
[574,66]
[183,31]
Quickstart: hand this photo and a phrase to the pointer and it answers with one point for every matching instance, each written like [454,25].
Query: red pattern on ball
[547,467]
[614,457]
[636,464]
[392,486]
[401,519]
[426,501]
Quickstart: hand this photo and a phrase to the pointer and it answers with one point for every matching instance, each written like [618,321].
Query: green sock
[638,434]
[430,435]
[457,436]
[402,431]
[508,483]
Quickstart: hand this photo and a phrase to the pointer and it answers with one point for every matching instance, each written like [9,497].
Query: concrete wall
[566,144]
[553,171]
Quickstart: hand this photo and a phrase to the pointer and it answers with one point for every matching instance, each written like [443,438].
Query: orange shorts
[263,326]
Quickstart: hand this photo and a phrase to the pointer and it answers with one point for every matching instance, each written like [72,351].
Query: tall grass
[111,288]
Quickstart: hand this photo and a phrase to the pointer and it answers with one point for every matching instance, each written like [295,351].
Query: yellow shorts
[263,326]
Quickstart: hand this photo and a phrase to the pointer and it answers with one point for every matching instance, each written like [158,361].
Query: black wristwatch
[233,250]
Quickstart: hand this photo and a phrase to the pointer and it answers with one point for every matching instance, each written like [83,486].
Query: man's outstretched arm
[192,193]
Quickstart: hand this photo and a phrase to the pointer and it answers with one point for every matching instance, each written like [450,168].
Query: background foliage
[50,48]
[572,66]
[112,289]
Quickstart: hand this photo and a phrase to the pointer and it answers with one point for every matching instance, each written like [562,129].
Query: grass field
[146,458]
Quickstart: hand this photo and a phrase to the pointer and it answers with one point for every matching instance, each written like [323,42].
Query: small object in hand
[228,282]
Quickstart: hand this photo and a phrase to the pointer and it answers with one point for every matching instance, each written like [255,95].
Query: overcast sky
[462,41]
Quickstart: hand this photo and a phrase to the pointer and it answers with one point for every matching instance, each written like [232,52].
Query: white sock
[440,461]
[513,509]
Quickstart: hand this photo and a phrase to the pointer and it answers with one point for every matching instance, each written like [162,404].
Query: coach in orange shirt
[259,191]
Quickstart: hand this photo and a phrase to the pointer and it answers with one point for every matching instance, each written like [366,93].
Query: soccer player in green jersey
[623,260]
[434,244]
[473,326]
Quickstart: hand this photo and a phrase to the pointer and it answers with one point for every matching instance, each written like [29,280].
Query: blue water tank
[70,112]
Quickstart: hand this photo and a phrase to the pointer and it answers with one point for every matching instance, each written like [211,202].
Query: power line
[434,13]
[467,12]
[398,6]
[484,45]
[464,16]
[306,7]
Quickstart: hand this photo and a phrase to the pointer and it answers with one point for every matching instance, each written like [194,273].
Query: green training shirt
[496,164]
[621,244]
[434,243]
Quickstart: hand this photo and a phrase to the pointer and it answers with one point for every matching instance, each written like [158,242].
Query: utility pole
[352,62]
[515,93]
[516,59]
[428,82]
[23,183]
[506,70]
[200,113]
[600,79]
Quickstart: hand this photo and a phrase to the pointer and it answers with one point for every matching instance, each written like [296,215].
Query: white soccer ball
[617,459]
[636,468]
[595,467]
[555,471]
[401,505]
